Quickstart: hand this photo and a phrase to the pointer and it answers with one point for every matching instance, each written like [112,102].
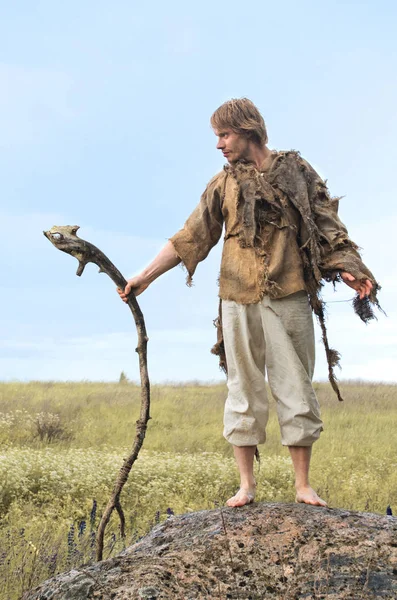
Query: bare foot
[242,498]
[307,495]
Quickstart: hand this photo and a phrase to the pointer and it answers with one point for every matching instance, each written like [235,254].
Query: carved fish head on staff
[64,238]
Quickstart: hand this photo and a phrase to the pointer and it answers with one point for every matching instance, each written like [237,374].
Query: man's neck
[258,155]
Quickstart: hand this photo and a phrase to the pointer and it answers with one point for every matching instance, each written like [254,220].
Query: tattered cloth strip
[324,252]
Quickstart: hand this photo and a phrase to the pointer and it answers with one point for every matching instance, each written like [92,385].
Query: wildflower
[33,547]
[82,528]
[92,540]
[52,565]
[71,544]
[93,513]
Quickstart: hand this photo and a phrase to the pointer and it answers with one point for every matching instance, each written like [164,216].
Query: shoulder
[216,184]
[292,157]
[292,160]
[218,179]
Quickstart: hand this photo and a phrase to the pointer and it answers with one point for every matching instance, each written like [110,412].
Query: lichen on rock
[270,551]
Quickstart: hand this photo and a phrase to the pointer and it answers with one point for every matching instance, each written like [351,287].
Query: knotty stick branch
[64,238]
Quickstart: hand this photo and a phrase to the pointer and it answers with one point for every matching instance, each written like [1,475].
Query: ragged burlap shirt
[280,222]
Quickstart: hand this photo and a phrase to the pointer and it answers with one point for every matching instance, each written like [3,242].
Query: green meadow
[61,446]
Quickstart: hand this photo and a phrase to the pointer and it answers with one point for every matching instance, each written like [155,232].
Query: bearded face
[234,146]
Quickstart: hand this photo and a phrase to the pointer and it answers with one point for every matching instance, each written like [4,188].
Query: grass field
[61,445]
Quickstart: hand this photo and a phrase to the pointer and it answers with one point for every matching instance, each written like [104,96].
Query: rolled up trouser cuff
[239,436]
[308,436]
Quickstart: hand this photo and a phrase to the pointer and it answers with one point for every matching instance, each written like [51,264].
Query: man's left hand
[362,287]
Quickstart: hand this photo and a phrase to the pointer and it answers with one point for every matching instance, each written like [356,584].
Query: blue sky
[104,123]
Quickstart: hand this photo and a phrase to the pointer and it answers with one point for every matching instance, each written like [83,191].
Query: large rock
[272,551]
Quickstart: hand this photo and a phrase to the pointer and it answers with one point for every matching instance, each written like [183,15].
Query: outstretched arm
[189,245]
[166,259]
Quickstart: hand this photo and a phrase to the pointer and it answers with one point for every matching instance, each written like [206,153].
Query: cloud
[177,355]
[173,355]
[381,369]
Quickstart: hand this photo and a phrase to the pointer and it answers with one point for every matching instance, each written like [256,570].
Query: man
[282,237]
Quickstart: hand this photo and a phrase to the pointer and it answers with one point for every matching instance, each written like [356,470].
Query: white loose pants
[276,336]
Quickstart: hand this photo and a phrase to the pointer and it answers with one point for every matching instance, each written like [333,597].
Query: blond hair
[242,116]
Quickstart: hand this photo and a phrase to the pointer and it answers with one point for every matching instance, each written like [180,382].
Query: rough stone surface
[272,551]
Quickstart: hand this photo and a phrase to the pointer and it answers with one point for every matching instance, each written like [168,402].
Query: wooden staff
[64,238]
